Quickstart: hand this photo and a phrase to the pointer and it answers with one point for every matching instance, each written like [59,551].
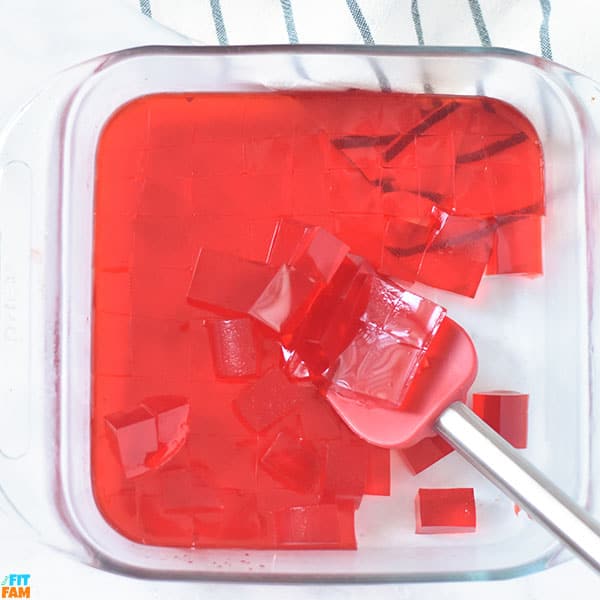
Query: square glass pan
[534,335]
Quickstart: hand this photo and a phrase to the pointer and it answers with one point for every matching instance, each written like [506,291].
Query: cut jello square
[160,527]
[235,349]
[457,258]
[225,462]
[227,282]
[268,400]
[375,366]
[171,414]
[425,453]
[293,461]
[404,314]
[404,244]
[318,420]
[353,192]
[363,233]
[276,297]
[134,438]
[317,526]
[517,246]
[506,412]
[333,320]
[445,510]
[185,490]
[377,480]
[382,357]
[345,468]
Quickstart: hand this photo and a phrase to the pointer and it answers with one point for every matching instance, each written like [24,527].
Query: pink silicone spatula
[435,404]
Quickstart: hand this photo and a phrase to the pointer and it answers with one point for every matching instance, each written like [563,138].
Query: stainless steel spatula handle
[495,458]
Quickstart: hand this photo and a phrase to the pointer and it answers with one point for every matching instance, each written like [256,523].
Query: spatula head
[448,372]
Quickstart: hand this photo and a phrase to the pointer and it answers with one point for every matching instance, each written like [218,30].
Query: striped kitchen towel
[553,29]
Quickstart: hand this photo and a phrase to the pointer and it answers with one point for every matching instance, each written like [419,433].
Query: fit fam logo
[16,585]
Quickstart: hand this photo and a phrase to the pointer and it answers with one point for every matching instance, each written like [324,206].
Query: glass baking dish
[538,338]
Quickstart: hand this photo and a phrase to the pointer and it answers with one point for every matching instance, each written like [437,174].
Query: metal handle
[495,458]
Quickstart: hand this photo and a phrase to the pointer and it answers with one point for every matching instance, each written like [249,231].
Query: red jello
[276,297]
[218,172]
[457,257]
[235,350]
[375,367]
[377,480]
[425,453]
[267,401]
[171,416]
[317,526]
[505,412]
[293,461]
[517,246]
[449,510]
[345,469]
[394,329]
[134,438]
[312,251]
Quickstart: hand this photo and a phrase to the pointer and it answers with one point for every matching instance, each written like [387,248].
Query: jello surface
[200,435]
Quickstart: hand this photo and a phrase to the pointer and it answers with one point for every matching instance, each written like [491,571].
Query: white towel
[559,30]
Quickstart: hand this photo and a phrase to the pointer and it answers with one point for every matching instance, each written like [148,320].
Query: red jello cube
[166,299]
[163,528]
[445,510]
[404,244]
[517,246]
[321,254]
[234,347]
[375,366]
[225,462]
[333,320]
[161,348]
[268,400]
[292,461]
[363,233]
[506,412]
[366,158]
[285,300]
[237,524]
[410,318]
[277,298]
[435,150]
[243,526]
[185,490]
[286,241]
[227,282]
[425,453]
[402,144]
[318,420]
[458,256]
[415,320]
[377,479]
[171,414]
[346,514]
[345,469]
[517,189]
[311,250]
[134,436]
[352,192]
[317,526]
